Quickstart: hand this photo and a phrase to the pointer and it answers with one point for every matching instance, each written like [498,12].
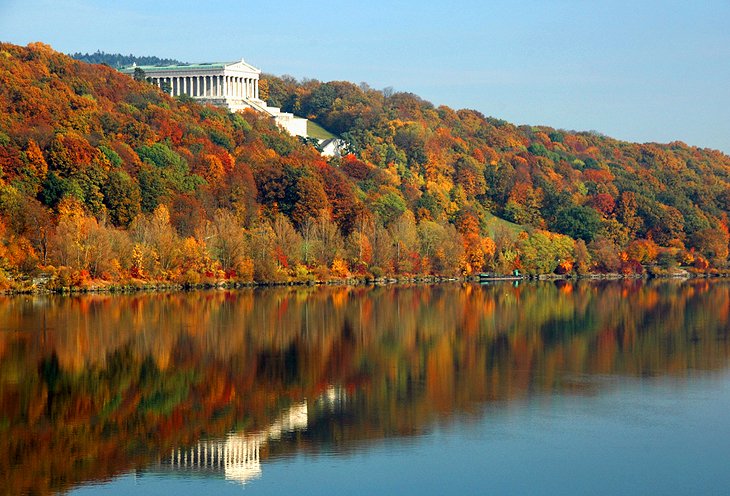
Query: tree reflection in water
[97,385]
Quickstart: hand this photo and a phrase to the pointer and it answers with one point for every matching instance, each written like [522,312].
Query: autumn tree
[157,234]
[262,250]
[542,252]
[713,244]
[226,241]
[578,222]
[405,243]
[326,240]
[288,241]
[122,198]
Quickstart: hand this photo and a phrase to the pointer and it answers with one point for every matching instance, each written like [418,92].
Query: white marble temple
[233,85]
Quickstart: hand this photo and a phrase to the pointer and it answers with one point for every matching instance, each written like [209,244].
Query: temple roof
[239,64]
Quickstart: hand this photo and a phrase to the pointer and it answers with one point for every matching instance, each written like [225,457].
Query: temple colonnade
[211,86]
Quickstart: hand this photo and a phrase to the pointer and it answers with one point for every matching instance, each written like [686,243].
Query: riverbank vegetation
[106,180]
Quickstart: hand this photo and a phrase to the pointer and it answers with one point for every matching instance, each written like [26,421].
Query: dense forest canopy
[107,178]
[117,60]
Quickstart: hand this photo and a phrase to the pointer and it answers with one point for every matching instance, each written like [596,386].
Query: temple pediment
[242,66]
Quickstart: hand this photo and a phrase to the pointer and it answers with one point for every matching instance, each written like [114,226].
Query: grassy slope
[314,130]
[495,224]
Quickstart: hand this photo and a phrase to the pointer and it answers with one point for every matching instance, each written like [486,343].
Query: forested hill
[117,60]
[103,178]
[451,164]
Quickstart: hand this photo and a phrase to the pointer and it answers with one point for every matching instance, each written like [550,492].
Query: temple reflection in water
[238,456]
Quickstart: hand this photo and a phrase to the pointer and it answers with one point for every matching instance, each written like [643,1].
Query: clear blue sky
[638,70]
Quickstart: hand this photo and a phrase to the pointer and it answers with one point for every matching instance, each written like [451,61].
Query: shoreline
[142,287]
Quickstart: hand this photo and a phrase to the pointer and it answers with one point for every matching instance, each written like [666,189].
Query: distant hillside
[104,179]
[620,197]
[117,60]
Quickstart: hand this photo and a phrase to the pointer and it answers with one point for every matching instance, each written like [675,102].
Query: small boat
[488,276]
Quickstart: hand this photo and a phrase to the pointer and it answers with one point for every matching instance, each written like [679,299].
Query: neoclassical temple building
[233,85]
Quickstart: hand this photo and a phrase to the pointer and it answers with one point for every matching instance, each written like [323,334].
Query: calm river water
[546,388]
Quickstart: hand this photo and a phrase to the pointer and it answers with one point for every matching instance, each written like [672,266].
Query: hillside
[584,185]
[108,179]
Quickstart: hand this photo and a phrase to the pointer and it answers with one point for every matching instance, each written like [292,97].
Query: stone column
[256,88]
